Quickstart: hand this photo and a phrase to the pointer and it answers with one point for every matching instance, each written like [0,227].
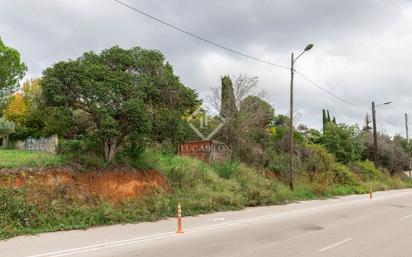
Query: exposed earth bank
[112,185]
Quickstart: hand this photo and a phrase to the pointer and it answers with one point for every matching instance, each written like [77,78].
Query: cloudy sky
[363,49]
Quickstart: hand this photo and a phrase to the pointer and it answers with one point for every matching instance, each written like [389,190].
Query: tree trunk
[110,149]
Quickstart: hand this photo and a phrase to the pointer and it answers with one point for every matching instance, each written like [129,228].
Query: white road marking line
[103,245]
[110,246]
[136,240]
[336,244]
[408,216]
[218,219]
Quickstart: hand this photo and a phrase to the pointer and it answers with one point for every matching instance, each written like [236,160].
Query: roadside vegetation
[24,159]
[201,189]
[126,109]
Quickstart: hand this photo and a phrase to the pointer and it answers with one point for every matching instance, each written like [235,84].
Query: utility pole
[407,142]
[375,136]
[291,148]
[406,127]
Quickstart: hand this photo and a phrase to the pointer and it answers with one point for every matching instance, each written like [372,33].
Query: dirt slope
[111,185]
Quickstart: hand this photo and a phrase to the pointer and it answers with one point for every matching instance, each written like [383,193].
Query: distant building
[209,151]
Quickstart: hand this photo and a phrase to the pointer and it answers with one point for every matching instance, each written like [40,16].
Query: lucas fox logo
[200,121]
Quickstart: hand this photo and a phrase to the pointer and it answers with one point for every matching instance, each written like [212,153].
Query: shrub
[227,169]
[345,142]
[319,160]
[304,192]
[343,176]
[184,173]
[280,165]
[366,170]
[342,190]
[199,187]
[69,146]
[256,188]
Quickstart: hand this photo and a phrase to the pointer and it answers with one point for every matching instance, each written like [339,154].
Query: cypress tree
[229,112]
[367,126]
[228,102]
[324,119]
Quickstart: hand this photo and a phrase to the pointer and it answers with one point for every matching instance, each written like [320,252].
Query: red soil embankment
[110,185]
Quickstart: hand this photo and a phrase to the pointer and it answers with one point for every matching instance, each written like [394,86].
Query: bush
[317,160]
[366,170]
[184,173]
[69,146]
[22,133]
[199,187]
[304,192]
[256,189]
[15,211]
[280,165]
[83,152]
[320,160]
[227,169]
[345,142]
[343,176]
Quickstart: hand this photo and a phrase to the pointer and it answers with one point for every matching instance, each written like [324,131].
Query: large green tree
[253,133]
[120,89]
[12,70]
[345,142]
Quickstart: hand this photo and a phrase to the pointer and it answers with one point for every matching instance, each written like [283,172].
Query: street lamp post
[292,74]
[375,134]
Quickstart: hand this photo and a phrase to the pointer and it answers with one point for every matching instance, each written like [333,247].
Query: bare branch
[243,87]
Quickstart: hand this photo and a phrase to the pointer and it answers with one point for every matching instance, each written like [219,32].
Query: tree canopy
[119,89]
[12,70]
[16,109]
[345,142]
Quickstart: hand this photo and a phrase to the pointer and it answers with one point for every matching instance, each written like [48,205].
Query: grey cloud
[361,47]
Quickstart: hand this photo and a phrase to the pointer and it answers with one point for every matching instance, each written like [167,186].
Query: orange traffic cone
[179,219]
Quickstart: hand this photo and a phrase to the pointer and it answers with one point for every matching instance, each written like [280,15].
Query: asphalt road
[352,226]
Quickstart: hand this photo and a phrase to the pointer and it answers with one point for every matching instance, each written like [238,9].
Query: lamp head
[308,47]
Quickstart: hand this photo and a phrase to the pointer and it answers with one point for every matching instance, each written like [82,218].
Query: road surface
[348,226]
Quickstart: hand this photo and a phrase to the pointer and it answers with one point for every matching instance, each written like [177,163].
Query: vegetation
[201,189]
[22,159]
[12,70]
[118,89]
[6,127]
[127,108]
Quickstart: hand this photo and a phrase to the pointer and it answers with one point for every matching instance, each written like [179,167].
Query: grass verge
[19,159]
[201,189]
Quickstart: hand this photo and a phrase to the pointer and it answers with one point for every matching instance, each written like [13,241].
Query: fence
[42,144]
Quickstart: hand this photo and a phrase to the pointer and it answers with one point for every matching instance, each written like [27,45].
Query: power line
[210,42]
[329,92]
[390,122]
